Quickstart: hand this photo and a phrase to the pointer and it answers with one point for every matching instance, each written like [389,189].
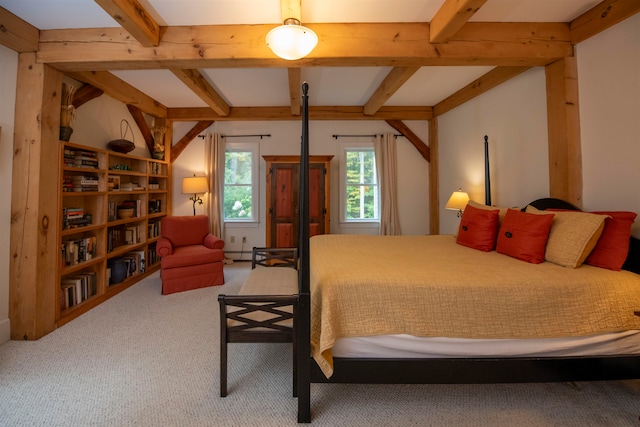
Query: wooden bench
[265,309]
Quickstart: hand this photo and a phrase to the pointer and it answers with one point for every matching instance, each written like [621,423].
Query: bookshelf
[111,205]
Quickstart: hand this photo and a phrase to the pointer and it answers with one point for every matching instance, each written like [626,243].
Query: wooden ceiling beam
[477,87]
[188,137]
[394,80]
[138,117]
[85,94]
[450,18]
[315,113]
[195,81]
[135,19]
[121,90]
[422,148]
[295,90]
[602,16]
[346,44]
[17,34]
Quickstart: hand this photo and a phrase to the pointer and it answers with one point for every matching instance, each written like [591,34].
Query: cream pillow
[501,214]
[572,236]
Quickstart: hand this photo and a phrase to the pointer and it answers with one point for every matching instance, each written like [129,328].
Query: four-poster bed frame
[438,370]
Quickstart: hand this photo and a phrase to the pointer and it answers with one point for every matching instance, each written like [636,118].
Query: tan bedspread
[430,286]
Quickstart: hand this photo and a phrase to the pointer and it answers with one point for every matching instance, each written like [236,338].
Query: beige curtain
[214,165]
[386,165]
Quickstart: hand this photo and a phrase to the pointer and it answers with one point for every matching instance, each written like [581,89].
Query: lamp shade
[195,185]
[458,201]
[291,41]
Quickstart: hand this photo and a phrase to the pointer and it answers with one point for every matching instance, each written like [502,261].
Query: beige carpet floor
[143,359]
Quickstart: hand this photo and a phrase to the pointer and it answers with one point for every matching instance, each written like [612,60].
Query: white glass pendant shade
[291,41]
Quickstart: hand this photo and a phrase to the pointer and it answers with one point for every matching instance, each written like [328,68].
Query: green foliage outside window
[361,185]
[237,185]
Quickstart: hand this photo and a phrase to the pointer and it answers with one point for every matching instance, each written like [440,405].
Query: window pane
[237,167]
[237,202]
[361,202]
[361,167]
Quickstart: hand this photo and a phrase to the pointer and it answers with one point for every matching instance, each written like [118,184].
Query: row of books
[80,158]
[153,229]
[75,289]
[75,217]
[155,206]
[79,183]
[125,235]
[152,256]
[156,168]
[79,250]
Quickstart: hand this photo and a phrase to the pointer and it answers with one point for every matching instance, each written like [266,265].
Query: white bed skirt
[408,346]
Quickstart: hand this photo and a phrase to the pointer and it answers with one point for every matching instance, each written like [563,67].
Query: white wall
[413,178]
[609,82]
[512,115]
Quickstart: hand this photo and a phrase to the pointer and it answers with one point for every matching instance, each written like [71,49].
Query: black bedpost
[304,299]
[487,178]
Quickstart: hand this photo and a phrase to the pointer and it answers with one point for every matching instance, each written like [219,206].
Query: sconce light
[291,40]
[195,185]
[458,201]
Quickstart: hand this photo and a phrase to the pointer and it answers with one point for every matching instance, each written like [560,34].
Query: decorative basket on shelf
[123,145]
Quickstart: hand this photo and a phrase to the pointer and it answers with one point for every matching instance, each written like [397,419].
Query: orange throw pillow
[613,245]
[478,228]
[524,235]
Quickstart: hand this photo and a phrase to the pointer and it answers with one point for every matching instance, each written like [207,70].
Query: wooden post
[34,200]
[434,194]
[563,121]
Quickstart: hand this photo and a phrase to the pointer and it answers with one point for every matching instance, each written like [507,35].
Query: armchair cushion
[185,256]
[185,230]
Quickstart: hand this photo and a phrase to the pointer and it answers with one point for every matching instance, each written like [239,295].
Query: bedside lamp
[457,201]
[195,185]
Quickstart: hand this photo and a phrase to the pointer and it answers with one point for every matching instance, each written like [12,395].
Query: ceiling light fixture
[291,40]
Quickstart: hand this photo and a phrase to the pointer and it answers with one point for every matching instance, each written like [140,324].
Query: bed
[431,301]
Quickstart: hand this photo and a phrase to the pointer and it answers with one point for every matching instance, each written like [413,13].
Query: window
[360,201]
[241,183]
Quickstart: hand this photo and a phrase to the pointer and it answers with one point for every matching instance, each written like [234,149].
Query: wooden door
[283,181]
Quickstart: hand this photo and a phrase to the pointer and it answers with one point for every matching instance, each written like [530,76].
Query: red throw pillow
[478,228]
[613,245]
[524,235]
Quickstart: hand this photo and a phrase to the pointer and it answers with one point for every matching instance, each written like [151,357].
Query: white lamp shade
[195,185]
[291,41]
[458,201]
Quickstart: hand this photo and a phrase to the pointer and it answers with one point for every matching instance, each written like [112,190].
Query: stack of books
[74,218]
[82,183]
[80,159]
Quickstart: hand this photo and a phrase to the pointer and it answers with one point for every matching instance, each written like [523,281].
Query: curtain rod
[261,135]
[363,136]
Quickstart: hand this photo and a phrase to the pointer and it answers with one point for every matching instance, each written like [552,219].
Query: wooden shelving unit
[111,206]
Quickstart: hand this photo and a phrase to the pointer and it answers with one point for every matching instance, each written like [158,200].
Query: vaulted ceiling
[195,60]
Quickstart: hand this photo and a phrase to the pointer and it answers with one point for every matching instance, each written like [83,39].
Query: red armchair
[192,257]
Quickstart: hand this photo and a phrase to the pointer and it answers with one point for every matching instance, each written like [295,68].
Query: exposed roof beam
[422,148]
[195,81]
[138,117]
[290,9]
[599,18]
[122,91]
[394,80]
[477,87]
[295,91]
[17,34]
[348,44]
[451,16]
[315,113]
[85,94]
[188,137]
[134,18]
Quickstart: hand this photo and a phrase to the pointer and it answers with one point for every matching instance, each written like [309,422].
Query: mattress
[408,346]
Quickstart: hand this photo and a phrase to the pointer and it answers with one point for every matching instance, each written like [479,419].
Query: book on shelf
[78,288]
[80,250]
[75,218]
